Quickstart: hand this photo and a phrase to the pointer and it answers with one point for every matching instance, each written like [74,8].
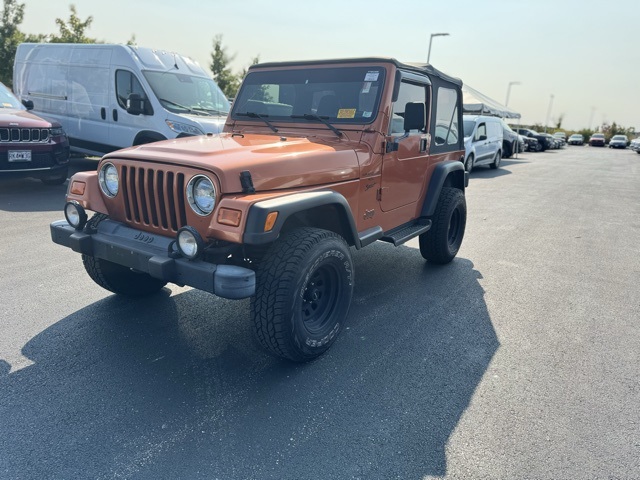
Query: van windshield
[180,93]
[339,95]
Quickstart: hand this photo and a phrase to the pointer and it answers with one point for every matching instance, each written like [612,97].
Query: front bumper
[149,253]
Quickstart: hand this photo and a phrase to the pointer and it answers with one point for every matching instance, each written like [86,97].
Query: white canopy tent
[474,102]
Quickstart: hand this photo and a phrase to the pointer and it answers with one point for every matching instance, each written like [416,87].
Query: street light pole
[548,113]
[431,39]
[506,102]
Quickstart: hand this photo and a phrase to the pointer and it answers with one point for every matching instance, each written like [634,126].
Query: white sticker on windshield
[366,114]
[371,77]
[366,87]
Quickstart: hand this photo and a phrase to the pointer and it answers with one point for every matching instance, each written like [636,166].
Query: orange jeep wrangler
[315,157]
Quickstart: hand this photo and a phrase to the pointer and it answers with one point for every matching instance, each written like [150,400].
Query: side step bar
[404,233]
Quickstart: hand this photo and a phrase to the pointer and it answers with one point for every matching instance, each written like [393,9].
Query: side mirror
[28,104]
[414,116]
[135,104]
[482,137]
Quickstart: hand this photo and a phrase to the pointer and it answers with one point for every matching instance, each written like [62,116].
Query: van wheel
[440,244]
[304,286]
[496,160]
[468,164]
[116,278]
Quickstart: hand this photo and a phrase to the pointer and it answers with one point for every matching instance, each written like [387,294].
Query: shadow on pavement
[176,387]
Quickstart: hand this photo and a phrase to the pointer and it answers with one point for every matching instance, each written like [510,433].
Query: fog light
[190,243]
[75,215]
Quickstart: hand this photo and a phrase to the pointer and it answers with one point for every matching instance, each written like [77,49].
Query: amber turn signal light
[270,221]
[77,188]
[228,216]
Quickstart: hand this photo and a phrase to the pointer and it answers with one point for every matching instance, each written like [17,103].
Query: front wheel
[116,278]
[304,286]
[468,163]
[440,244]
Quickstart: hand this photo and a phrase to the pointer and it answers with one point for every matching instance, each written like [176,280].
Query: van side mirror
[135,104]
[28,104]
[482,137]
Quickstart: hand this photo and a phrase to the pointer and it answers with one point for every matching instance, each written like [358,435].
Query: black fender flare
[288,206]
[446,174]
[149,135]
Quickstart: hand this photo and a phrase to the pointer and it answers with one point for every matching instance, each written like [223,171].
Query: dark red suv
[29,145]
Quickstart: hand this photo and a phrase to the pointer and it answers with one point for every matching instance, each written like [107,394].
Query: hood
[274,162]
[13,117]
[209,124]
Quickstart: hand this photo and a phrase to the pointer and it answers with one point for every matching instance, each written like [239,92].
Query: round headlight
[108,179]
[190,243]
[201,195]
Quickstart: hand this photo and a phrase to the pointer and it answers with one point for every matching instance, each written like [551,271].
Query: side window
[126,84]
[446,117]
[409,92]
[482,130]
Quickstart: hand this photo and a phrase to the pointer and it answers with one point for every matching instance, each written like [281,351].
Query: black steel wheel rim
[319,298]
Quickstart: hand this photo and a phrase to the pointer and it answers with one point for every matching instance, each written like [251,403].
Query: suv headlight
[108,179]
[201,195]
[183,128]
[56,132]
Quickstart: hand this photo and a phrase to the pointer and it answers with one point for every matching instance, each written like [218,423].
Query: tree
[226,80]
[73,31]
[10,38]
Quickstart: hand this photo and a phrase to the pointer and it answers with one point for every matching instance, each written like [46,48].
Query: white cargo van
[483,137]
[108,97]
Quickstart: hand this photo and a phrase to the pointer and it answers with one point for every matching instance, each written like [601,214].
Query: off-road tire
[304,286]
[116,278]
[440,244]
[496,161]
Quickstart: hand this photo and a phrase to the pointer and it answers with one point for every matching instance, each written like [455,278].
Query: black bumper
[149,253]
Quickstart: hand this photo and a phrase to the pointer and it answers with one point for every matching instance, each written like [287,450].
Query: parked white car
[482,141]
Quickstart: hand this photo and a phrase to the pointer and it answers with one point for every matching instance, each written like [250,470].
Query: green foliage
[222,74]
[226,80]
[10,38]
[73,31]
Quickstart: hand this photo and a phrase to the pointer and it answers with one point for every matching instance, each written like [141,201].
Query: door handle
[115,115]
[103,113]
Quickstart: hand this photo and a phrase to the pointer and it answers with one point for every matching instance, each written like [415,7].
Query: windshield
[312,94]
[468,127]
[180,93]
[8,100]
[619,137]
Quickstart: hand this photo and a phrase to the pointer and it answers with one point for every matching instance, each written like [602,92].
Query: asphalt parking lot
[518,360]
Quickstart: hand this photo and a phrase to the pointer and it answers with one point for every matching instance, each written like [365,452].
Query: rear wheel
[496,160]
[304,286]
[440,244]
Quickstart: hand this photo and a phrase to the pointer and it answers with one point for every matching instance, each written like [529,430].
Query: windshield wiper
[170,102]
[210,110]
[311,116]
[261,117]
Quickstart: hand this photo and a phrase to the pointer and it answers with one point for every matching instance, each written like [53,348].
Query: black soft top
[420,68]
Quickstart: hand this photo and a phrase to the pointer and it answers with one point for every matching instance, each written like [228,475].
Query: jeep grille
[24,135]
[154,197]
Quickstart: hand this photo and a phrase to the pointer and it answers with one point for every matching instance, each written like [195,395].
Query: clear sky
[583,53]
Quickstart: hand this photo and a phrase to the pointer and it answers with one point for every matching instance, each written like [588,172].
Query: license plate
[19,155]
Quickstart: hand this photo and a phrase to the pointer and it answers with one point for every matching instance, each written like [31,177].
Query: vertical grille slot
[154,198]
[15,135]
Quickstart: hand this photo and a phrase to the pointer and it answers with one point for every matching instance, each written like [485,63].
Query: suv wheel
[440,244]
[304,286]
[116,278]
[496,160]
[59,180]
